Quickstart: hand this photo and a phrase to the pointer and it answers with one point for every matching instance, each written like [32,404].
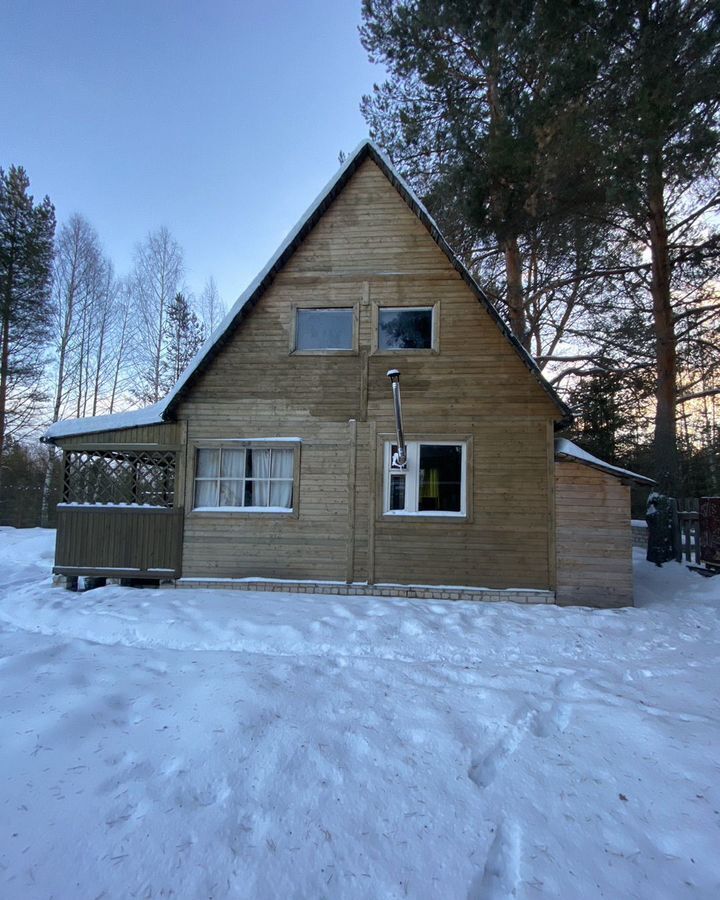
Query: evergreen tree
[26,249]
[487,108]
[183,336]
[570,153]
[660,109]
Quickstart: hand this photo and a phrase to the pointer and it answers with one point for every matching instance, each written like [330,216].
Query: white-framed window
[329,329]
[244,479]
[406,328]
[433,481]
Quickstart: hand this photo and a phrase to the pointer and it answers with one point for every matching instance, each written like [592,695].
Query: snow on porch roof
[149,415]
[163,411]
[565,449]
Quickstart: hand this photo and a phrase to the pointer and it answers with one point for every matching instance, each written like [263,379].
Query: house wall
[368,249]
[594,537]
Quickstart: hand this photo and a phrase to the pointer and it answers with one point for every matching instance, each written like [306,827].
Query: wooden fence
[686,529]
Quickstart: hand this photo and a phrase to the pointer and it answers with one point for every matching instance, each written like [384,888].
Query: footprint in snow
[500,876]
[483,770]
[541,723]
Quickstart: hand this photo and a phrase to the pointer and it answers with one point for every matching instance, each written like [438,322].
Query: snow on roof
[149,415]
[161,411]
[566,448]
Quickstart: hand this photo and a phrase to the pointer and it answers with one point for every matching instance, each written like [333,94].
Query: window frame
[310,305]
[293,444]
[434,347]
[385,442]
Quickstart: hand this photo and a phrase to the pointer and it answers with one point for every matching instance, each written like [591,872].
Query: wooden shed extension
[121,514]
[593,531]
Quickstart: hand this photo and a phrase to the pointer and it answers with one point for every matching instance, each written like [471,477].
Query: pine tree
[487,106]
[26,249]
[183,335]
[661,106]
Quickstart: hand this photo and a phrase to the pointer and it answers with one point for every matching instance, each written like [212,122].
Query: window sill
[244,510]
[324,352]
[426,515]
[414,351]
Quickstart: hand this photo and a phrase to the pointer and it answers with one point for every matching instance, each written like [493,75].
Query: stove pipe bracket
[401,456]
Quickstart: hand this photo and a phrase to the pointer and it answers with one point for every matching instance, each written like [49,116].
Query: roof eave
[622,474]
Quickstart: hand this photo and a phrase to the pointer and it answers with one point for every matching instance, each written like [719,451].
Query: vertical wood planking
[352,487]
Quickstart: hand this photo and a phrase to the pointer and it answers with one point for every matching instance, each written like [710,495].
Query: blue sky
[219,119]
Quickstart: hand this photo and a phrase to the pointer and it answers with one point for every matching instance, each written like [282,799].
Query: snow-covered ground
[209,744]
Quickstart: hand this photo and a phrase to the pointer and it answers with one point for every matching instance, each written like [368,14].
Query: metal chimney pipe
[394,376]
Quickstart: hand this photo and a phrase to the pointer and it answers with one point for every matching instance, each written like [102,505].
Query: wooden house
[272,463]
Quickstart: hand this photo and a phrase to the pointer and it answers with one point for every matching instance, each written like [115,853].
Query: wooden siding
[166,434]
[368,249]
[107,541]
[594,537]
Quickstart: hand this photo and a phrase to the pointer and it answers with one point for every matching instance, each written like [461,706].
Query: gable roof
[164,409]
[566,449]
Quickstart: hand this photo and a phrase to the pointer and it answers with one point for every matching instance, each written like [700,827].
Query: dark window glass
[397,492]
[440,478]
[405,329]
[324,329]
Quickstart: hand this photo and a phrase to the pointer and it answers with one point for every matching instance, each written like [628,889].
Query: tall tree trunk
[508,243]
[515,293]
[98,363]
[4,364]
[47,485]
[665,443]
[120,353]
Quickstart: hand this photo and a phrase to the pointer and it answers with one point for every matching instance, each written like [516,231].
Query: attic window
[324,329]
[405,328]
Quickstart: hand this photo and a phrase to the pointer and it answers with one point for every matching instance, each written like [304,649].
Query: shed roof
[163,411]
[566,449]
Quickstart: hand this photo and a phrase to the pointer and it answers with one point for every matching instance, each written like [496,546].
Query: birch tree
[121,358]
[155,281]
[211,307]
[76,276]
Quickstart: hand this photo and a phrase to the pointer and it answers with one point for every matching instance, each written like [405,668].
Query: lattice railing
[120,477]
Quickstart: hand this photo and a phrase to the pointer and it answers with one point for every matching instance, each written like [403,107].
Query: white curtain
[260,475]
[206,493]
[208,467]
[232,470]
[282,467]
[208,463]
